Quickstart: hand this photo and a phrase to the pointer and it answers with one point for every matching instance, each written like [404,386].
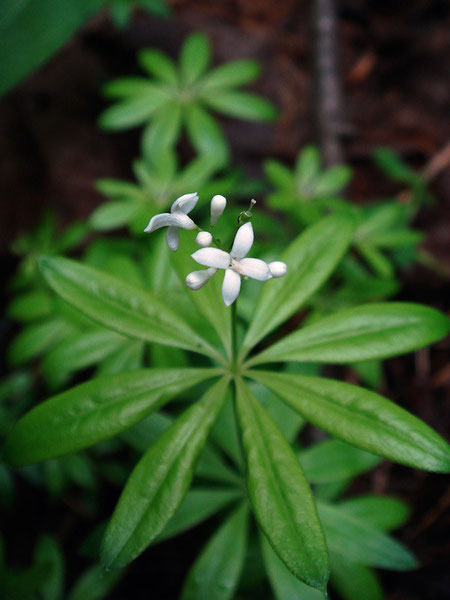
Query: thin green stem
[234,334]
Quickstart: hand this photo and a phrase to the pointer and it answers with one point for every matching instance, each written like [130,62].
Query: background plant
[129,259]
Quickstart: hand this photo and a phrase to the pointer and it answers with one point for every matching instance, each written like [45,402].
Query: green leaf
[195,57]
[393,165]
[48,553]
[278,174]
[95,584]
[127,87]
[360,542]
[31,31]
[353,581]
[288,421]
[160,481]
[81,350]
[231,74]
[119,306]
[383,512]
[215,573]
[365,332]
[310,260]
[111,215]
[226,436]
[36,338]
[333,180]
[242,105]
[159,65]
[94,411]
[280,495]
[284,585]
[205,134]
[197,506]
[127,358]
[118,189]
[30,306]
[333,460]
[380,264]
[361,418]
[308,165]
[162,133]
[135,110]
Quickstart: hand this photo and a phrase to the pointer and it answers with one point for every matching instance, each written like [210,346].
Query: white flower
[197,279]
[204,239]
[218,204]
[277,268]
[177,218]
[234,263]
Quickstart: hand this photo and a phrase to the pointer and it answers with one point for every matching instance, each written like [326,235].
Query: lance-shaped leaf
[198,505]
[361,418]
[383,512]
[160,481]
[280,495]
[353,581]
[284,585]
[360,542]
[332,460]
[119,306]
[215,573]
[94,411]
[310,260]
[366,332]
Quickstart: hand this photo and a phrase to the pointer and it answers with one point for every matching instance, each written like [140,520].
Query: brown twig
[328,83]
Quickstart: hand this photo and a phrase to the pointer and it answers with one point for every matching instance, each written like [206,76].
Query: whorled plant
[278,492]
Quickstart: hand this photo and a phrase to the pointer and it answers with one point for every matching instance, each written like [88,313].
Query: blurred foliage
[177,96]
[33,30]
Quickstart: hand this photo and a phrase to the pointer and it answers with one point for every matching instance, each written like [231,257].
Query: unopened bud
[204,239]
[246,215]
[197,279]
[218,204]
[277,268]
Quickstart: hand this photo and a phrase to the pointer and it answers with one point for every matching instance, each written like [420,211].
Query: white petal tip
[197,279]
[218,204]
[277,268]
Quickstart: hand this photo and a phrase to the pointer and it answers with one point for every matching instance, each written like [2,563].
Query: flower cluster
[234,263]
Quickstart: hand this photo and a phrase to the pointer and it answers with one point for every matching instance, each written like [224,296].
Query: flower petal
[231,286]
[212,257]
[254,268]
[185,203]
[277,268]
[179,219]
[197,279]
[243,241]
[173,238]
[161,220]
[218,204]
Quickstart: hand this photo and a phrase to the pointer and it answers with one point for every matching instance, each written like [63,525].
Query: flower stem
[234,333]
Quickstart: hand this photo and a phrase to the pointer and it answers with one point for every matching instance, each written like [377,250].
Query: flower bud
[197,279]
[277,268]
[218,204]
[204,239]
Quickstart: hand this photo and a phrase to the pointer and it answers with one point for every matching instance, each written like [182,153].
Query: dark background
[395,72]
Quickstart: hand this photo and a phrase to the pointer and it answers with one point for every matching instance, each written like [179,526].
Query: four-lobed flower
[176,219]
[234,263]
